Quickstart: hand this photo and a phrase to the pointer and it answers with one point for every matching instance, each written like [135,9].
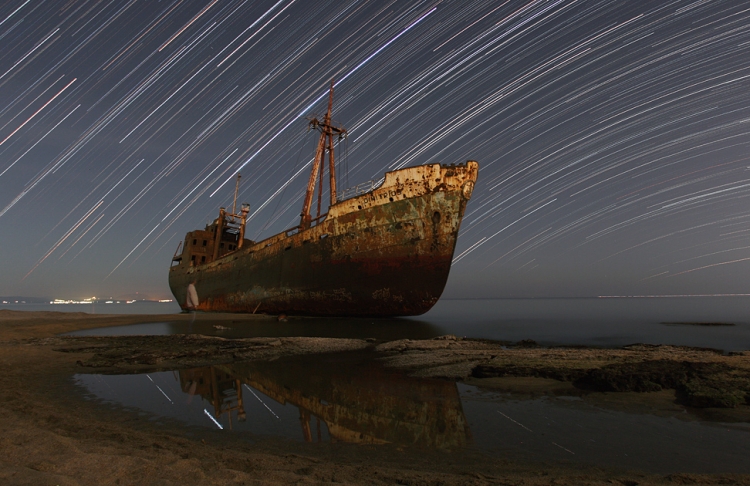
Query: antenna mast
[236,190]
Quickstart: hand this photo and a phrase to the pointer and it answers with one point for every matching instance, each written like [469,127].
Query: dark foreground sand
[49,435]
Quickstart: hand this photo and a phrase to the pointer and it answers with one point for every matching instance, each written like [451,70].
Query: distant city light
[61,301]
[92,300]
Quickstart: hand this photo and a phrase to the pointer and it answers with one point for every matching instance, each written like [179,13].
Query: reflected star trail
[612,136]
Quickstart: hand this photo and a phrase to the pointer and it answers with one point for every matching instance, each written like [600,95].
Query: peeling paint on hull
[384,253]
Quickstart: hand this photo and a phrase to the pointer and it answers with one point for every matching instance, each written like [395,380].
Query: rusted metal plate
[384,253]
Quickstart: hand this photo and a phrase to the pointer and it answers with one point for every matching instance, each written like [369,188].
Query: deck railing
[362,188]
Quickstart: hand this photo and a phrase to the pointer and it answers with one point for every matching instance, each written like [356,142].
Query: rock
[447,337]
[703,395]
[527,343]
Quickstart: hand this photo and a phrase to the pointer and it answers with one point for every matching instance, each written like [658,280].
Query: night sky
[613,136]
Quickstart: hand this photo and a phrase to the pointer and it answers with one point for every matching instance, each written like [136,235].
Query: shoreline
[51,435]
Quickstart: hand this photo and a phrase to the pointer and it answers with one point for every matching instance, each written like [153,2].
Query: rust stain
[383,253]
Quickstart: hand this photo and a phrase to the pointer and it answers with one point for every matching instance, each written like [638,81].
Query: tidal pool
[353,398]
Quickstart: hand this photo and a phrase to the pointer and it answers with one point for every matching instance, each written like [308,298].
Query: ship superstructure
[382,251]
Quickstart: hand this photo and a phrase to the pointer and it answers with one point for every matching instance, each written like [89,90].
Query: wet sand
[51,436]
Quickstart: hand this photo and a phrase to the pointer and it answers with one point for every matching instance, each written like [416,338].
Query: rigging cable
[280,198]
[347,163]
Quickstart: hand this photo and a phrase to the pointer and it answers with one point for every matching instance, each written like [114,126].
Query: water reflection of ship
[221,389]
[359,401]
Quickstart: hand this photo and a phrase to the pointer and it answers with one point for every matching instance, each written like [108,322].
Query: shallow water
[603,322]
[351,398]
[592,322]
[578,432]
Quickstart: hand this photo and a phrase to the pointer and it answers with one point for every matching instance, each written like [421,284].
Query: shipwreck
[384,250]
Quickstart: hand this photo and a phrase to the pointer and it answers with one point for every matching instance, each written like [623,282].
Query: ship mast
[236,190]
[327,130]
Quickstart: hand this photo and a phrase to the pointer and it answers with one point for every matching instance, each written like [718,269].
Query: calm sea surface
[603,322]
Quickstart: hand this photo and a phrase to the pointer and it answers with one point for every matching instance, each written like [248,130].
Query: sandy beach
[50,435]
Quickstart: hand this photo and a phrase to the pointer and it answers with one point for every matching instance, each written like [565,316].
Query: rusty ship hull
[387,252]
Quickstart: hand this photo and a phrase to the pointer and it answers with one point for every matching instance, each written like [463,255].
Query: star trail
[613,137]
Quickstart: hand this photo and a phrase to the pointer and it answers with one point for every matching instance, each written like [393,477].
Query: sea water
[711,322]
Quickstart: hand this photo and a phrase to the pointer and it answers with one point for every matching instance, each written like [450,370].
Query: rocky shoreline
[51,436]
[701,378]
